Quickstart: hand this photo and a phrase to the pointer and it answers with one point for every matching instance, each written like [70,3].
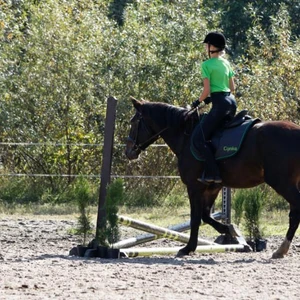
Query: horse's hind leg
[228,229]
[209,197]
[293,197]
[294,219]
[231,233]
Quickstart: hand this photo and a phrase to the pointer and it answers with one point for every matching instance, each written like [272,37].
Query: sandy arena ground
[34,264]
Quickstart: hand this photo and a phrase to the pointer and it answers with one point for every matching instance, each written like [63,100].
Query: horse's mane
[168,115]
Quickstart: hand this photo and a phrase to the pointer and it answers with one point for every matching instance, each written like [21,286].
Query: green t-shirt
[218,71]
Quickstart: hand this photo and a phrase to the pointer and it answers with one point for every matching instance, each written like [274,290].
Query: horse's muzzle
[131,150]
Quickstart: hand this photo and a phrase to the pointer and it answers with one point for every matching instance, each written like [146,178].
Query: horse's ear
[136,103]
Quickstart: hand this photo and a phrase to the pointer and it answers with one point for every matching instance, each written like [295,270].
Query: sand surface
[35,264]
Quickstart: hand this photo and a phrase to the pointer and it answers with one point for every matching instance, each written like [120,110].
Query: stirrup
[206,180]
[209,180]
[218,180]
[202,180]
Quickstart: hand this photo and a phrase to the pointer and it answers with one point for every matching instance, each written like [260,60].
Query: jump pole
[148,237]
[134,252]
[162,232]
[144,238]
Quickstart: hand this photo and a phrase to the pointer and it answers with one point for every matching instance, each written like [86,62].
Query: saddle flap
[226,142]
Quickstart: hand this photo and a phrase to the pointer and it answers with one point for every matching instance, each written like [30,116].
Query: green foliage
[269,81]
[110,231]
[252,202]
[49,77]
[237,17]
[141,197]
[176,200]
[114,198]
[274,202]
[18,190]
[82,195]
[60,60]
[238,205]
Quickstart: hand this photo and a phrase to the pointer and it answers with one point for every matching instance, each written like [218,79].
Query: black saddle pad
[227,141]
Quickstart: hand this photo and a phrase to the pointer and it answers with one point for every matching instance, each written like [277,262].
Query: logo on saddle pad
[230,148]
[227,141]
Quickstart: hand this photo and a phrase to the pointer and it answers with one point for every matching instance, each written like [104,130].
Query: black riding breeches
[223,109]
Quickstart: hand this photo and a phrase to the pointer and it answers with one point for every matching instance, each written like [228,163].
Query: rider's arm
[206,90]
[231,84]
[205,93]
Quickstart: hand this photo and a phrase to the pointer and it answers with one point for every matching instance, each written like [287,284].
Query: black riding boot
[211,172]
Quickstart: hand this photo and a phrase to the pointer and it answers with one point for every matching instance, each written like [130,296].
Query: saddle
[227,141]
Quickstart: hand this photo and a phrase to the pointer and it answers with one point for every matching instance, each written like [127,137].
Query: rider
[218,82]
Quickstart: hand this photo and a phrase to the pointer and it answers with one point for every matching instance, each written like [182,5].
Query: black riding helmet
[216,39]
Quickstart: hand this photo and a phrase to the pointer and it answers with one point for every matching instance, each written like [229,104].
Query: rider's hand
[195,103]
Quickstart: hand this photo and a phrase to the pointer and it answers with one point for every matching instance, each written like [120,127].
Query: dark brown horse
[270,153]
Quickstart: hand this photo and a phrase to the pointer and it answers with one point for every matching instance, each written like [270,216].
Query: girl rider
[218,82]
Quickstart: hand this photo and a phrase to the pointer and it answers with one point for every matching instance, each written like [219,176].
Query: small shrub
[248,205]
[108,232]
[82,196]
[114,198]
[253,204]
[238,205]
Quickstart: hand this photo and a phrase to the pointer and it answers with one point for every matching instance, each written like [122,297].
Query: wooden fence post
[106,160]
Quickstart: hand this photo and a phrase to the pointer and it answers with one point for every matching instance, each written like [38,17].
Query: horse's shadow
[170,260]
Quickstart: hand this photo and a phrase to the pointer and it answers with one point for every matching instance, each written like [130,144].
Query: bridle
[153,137]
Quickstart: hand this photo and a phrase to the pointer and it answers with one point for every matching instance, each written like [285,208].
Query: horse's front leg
[195,223]
[195,198]
[198,201]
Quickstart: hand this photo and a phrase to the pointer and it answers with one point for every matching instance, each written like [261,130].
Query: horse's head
[141,133]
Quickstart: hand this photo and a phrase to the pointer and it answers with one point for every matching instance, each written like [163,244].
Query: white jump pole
[148,237]
[144,238]
[162,232]
[134,252]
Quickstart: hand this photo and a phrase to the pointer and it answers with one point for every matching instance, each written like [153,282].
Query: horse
[270,153]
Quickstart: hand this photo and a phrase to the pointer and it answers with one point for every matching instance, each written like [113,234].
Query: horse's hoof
[277,255]
[247,248]
[182,253]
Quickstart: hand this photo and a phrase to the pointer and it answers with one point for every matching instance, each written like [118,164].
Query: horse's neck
[174,140]
[174,134]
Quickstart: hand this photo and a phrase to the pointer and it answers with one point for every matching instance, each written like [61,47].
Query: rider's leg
[211,170]
[221,108]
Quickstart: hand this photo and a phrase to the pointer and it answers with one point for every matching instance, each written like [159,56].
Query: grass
[272,224]
[38,209]
[275,223]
